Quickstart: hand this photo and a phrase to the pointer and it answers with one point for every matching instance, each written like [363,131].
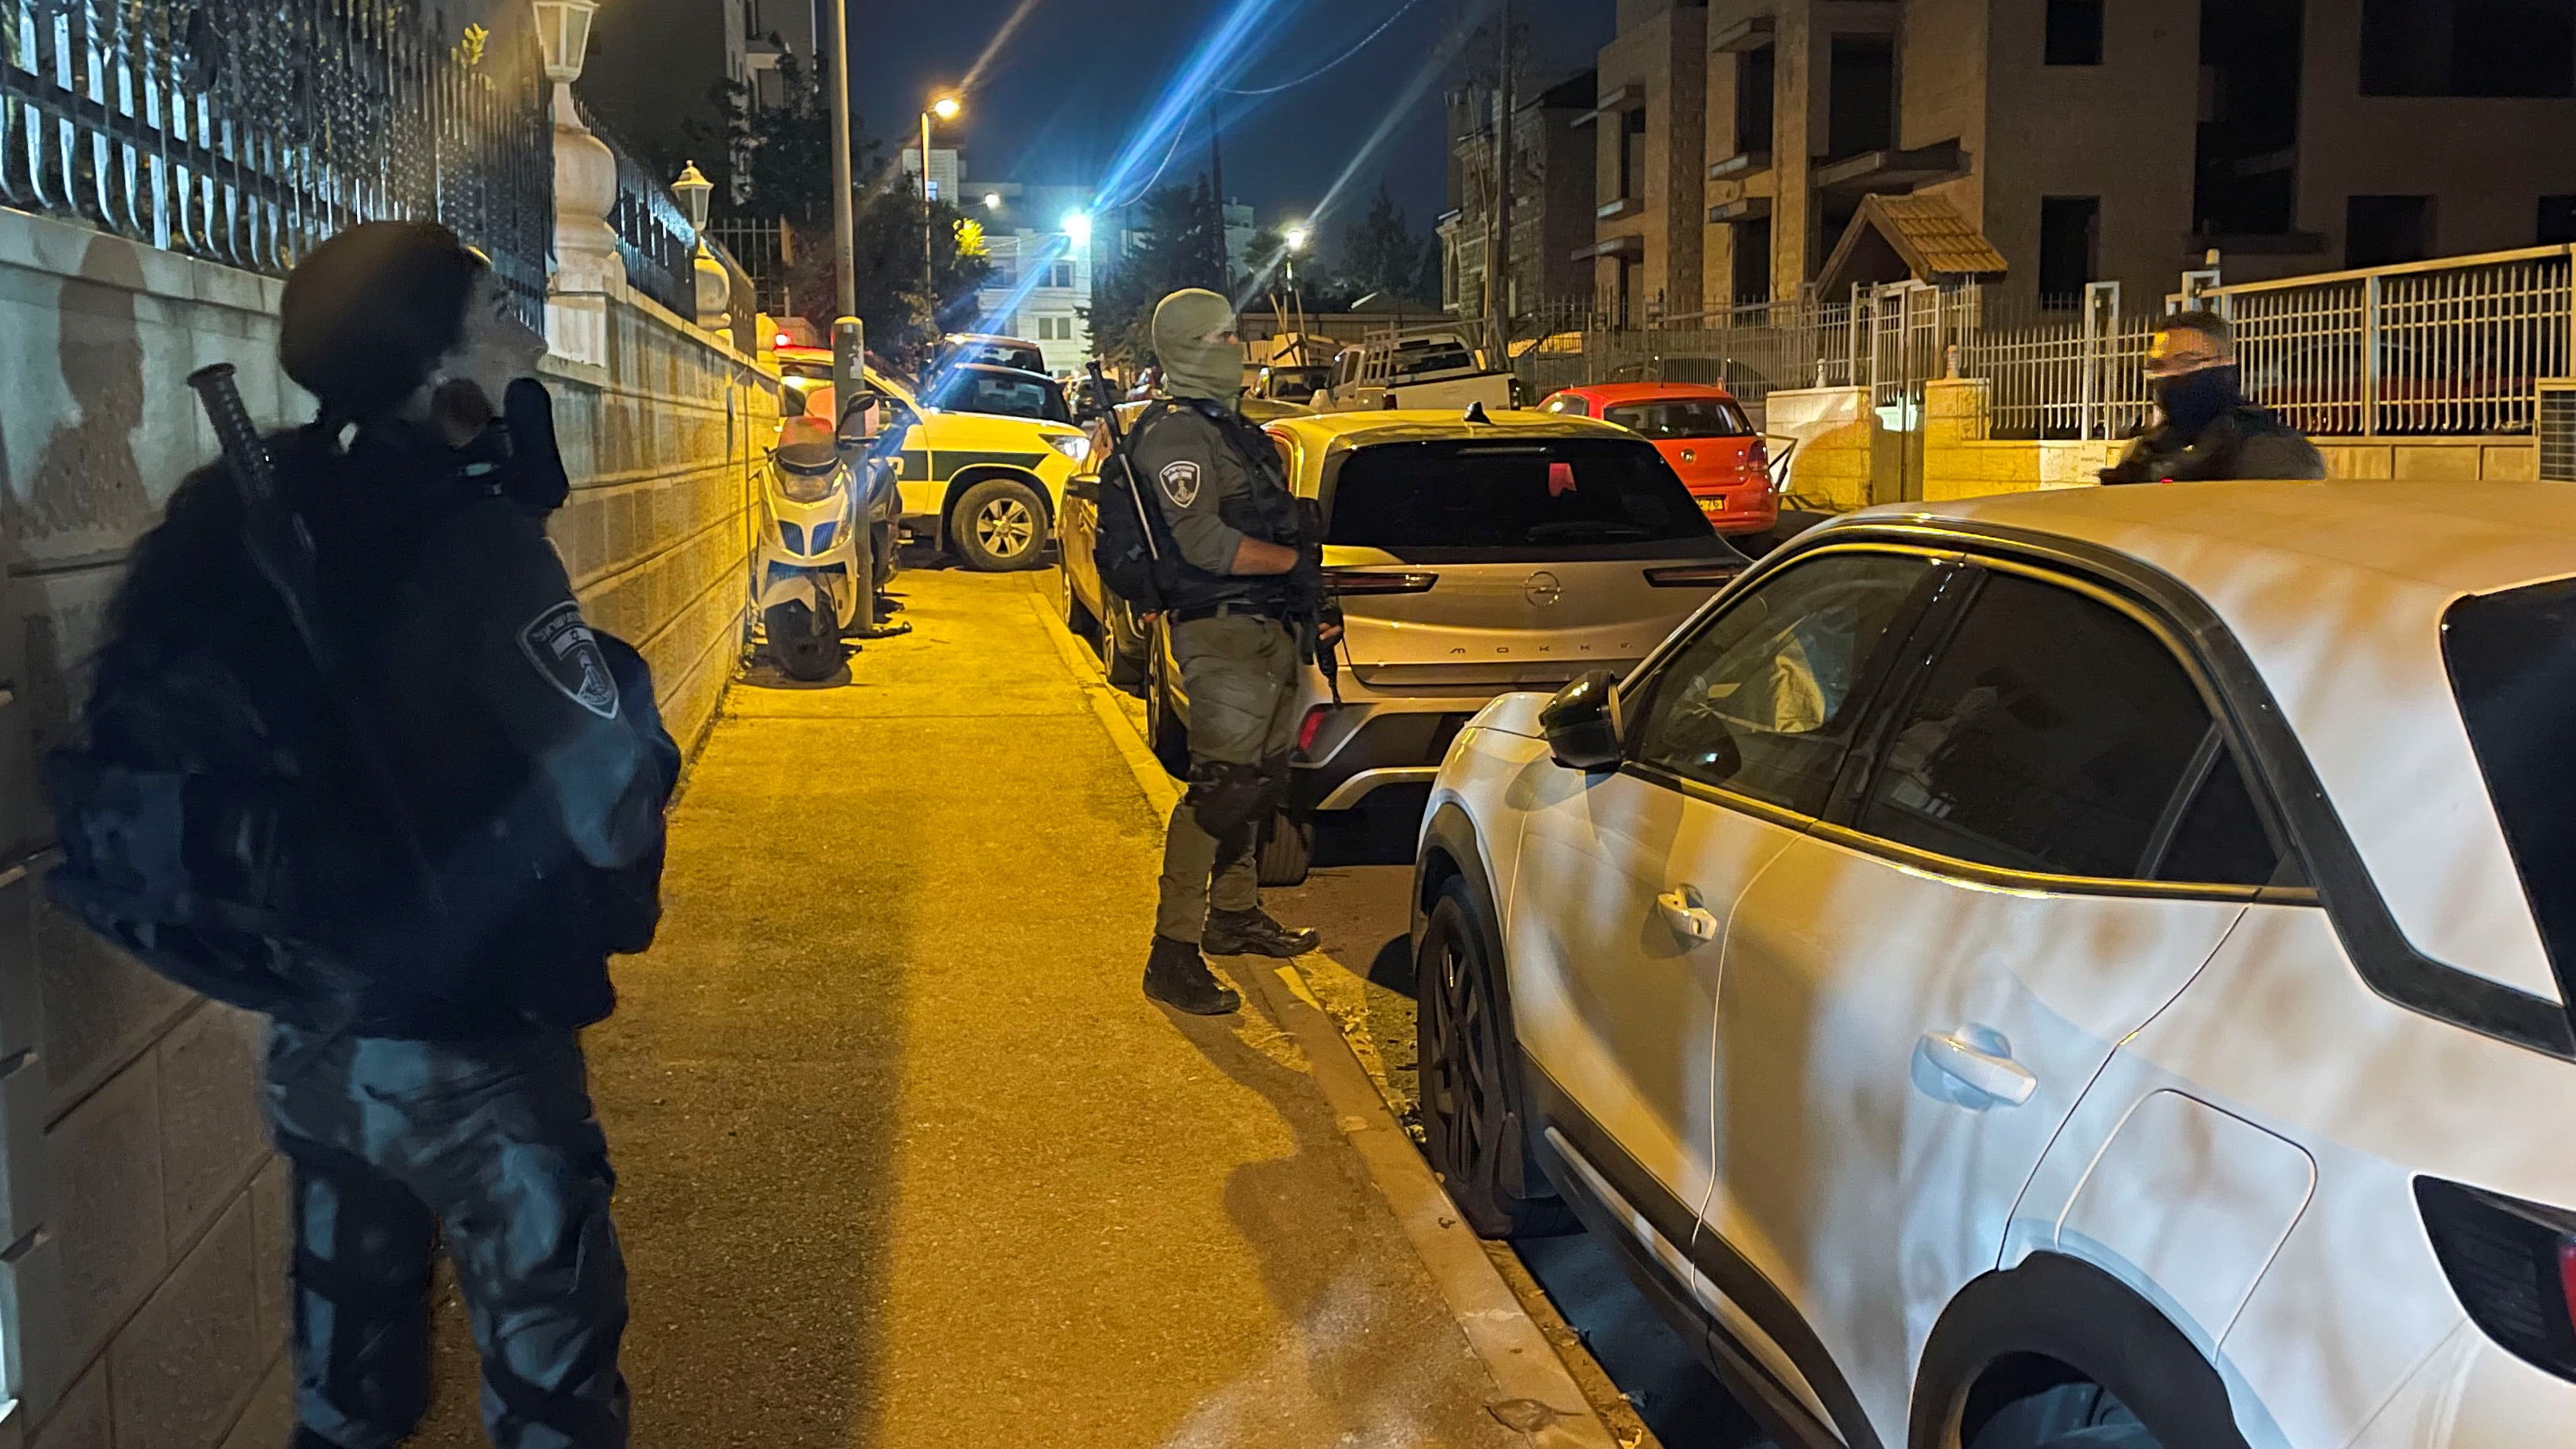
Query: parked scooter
[826,546]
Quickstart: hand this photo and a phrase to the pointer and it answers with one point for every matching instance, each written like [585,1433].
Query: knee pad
[1225,798]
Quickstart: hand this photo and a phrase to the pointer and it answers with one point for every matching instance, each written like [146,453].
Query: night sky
[1070,87]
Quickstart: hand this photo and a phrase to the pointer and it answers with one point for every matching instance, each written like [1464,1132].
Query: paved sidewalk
[906,1159]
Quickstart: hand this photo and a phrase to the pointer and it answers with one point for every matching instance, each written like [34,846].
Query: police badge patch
[565,652]
[1181,483]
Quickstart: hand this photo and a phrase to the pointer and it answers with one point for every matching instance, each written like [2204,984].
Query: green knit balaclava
[1192,365]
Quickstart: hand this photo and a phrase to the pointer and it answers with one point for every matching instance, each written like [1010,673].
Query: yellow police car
[981,460]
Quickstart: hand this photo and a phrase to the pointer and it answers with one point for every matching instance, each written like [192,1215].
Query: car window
[1764,700]
[1003,394]
[1674,419]
[2512,659]
[1539,499]
[2053,735]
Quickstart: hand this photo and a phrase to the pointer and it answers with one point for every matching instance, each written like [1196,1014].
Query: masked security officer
[2209,429]
[433,1090]
[1246,579]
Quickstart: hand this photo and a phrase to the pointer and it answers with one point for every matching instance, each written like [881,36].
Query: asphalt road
[905,1157]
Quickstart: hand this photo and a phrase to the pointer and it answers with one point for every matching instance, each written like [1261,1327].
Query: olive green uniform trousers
[1239,672]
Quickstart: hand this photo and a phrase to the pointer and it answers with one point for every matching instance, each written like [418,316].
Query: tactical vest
[1264,510]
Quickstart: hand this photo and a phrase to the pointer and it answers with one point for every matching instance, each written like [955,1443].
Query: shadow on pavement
[1673,1392]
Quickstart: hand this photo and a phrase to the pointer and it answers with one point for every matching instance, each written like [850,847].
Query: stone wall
[141,1216]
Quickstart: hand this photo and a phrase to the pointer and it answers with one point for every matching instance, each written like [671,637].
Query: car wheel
[2069,1416]
[804,649]
[1078,620]
[1473,1125]
[1123,646]
[999,525]
[1164,733]
[1287,850]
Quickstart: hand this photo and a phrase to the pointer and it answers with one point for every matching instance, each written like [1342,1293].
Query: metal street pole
[1498,262]
[845,226]
[929,287]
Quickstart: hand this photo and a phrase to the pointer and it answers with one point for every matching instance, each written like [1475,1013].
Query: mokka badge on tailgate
[1181,483]
[565,652]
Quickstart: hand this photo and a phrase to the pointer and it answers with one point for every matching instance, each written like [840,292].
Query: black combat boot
[1253,933]
[1178,976]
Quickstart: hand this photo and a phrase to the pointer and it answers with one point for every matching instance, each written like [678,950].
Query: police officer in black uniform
[1248,582]
[440,1096]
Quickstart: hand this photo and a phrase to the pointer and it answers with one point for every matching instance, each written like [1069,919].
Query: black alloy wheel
[1124,640]
[1287,851]
[1474,1128]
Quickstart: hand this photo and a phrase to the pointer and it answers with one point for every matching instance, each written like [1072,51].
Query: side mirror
[1582,723]
[858,420]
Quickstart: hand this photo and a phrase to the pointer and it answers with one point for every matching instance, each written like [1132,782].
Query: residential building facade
[1553,199]
[2072,142]
[1040,288]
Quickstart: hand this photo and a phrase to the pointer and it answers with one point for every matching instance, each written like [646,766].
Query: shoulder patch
[563,649]
[1181,483]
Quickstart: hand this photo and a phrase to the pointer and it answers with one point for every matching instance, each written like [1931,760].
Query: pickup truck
[1433,370]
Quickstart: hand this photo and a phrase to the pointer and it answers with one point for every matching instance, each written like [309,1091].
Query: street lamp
[946,108]
[1296,237]
[1077,229]
[563,31]
[714,285]
[992,201]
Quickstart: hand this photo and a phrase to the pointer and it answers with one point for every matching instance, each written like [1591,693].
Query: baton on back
[282,552]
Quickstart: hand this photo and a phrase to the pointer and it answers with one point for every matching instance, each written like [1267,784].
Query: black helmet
[368,314]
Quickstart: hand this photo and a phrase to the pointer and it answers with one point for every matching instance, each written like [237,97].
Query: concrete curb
[1538,1394]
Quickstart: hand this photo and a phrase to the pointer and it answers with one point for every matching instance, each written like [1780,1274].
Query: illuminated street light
[1077,228]
[1296,238]
[992,201]
[946,108]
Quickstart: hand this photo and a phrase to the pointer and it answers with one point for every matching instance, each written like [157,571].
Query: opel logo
[1543,589]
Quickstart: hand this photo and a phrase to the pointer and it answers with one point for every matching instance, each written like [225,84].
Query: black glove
[534,476]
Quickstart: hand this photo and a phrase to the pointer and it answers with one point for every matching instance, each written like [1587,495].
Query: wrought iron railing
[766,248]
[247,133]
[654,237]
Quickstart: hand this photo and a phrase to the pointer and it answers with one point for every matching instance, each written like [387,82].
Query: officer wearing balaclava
[1243,580]
[2208,428]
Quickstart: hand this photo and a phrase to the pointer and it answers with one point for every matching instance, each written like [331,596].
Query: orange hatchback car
[1701,430]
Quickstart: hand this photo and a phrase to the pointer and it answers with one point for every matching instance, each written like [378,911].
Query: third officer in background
[1247,579]
[2210,429]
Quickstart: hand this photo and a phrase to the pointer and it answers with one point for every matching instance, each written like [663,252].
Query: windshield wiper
[1586,527]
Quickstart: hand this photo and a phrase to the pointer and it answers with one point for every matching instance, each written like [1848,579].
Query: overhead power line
[1365,42]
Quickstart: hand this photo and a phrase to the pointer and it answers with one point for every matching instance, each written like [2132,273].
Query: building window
[1756,95]
[2074,32]
[2070,248]
[1632,155]
[2557,221]
[2382,231]
[1055,327]
[2506,48]
[1861,112]
[1753,262]
[1060,275]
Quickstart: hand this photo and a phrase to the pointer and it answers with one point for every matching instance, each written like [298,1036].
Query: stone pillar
[588,270]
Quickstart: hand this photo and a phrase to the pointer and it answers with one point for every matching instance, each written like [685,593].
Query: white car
[2084,968]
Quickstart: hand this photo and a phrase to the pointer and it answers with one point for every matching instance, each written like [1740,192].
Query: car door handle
[1688,918]
[1981,1061]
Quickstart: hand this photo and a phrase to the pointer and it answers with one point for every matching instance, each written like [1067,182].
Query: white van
[1432,368]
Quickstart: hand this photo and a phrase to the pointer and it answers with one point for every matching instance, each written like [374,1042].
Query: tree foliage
[1382,257]
[778,162]
[1175,239]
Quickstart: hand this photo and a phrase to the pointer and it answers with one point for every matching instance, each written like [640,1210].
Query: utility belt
[1275,613]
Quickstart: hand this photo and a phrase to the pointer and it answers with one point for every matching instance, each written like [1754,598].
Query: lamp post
[1296,238]
[946,109]
[714,285]
[587,267]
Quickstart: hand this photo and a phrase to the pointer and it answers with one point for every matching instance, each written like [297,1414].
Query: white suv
[2078,969]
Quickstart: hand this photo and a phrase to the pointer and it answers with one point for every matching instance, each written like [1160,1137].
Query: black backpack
[1134,551]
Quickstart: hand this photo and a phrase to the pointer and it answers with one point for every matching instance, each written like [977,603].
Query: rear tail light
[2513,1264]
[1696,576]
[1311,726]
[1350,583]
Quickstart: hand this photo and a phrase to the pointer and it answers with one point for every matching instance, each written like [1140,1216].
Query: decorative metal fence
[2442,347]
[765,249]
[654,237]
[247,133]
[2450,347]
